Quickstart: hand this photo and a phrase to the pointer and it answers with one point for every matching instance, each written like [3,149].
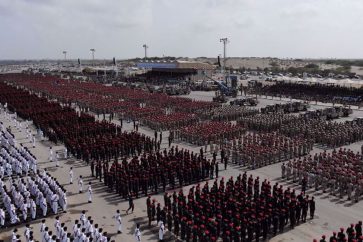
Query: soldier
[56,159]
[350,232]
[76,230]
[293,216]
[323,238]
[283,170]
[46,235]
[63,200]
[54,200]
[304,208]
[33,141]
[275,223]
[222,155]
[92,165]
[118,222]
[83,218]
[358,229]
[324,182]
[341,235]
[2,218]
[312,207]
[357,191]
[288,171]
[137,233]
[50,154]
[225,163]
[80,184]
[161,231]
[89,193]
[65,153]
[57,226]
[294,174]
[42,228]
[341,189]
[33,209]
[332,183]
[44,207]
[131,204]
[333,237]
[24,209]
[176,225]
[298,212]
[303,185]
[169,220]
[216,169]
[349,189]
[158,213]
[71,175]
[27,232]
[317,182]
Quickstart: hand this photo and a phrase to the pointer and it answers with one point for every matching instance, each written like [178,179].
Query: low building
[191,71]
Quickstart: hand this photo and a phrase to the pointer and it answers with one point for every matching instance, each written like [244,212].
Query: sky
[42,29]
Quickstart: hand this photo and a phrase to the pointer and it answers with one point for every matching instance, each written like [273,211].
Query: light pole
[145,47]
[93,56]
[225,41]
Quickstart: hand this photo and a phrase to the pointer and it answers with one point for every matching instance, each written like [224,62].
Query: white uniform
[42,229]
[89,193]
[55,199]
[13,237]
[41,135]
[50,155]
[96,235]
[64,201]
[83,220]
[137,235]
[27,234]
[24,209]
[77,235]
[13,217]
[161,231]
[65,153]
[58,228]
[118,222]
[44,206]
[46,236]
[33,209]
[2,217]
[80,185]
[56,159]
[71,176]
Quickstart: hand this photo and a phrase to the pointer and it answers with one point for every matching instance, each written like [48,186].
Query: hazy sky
[279,28]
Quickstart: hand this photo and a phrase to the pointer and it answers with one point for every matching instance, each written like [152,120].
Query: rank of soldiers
[339,173]
[241,209]
[352,233]
[210,132]
[316,92]
[262,149]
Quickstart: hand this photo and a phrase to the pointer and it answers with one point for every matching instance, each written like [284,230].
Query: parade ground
[331,212]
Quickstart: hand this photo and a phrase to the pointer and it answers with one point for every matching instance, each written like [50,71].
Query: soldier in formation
[244,209]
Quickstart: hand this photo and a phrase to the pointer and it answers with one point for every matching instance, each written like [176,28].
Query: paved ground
[332,213]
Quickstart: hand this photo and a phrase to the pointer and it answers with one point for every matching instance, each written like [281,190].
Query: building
[186,70]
